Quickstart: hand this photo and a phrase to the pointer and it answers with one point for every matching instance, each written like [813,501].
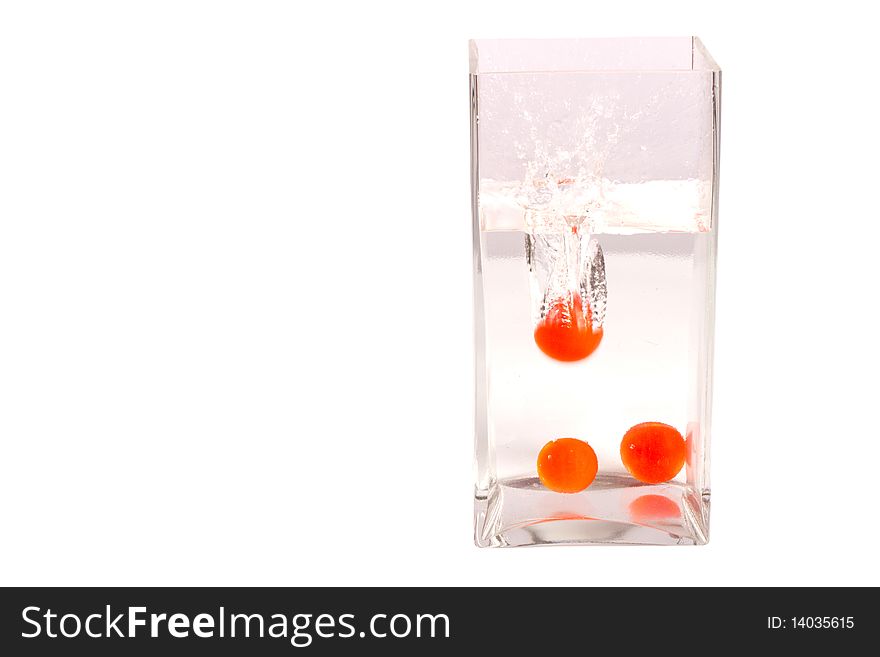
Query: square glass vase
[594,174]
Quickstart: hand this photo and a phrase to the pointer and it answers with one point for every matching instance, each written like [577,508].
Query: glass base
[614,510]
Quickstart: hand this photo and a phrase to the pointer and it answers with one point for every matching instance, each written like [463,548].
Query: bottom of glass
[615,509]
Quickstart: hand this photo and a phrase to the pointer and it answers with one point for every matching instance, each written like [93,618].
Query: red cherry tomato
[566,333]
[653,452]
[567,465]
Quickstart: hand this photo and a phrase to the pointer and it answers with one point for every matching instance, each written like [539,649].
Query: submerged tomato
[566,332]
[567,465]
[653,452]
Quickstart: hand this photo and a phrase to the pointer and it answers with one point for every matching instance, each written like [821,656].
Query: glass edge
[710,63]
[697,45]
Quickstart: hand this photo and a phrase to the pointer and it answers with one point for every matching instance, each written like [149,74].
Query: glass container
[594,168]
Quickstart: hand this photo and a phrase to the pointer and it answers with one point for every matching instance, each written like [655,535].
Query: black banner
[408,621]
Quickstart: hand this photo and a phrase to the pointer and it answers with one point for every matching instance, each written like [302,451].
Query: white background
[235,294]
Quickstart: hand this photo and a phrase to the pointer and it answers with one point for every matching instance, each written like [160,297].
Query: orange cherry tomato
[567,465]
[653,452]
[566,332]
